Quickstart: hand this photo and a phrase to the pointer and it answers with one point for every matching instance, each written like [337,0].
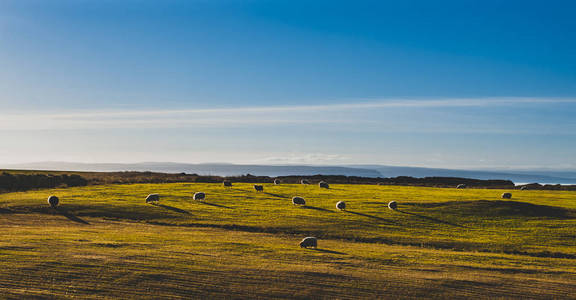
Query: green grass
[105,241]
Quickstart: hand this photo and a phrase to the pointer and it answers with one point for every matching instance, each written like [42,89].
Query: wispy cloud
[358,104]
[228,116]
[304,158]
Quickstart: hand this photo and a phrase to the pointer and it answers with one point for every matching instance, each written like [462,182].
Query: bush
[23,182]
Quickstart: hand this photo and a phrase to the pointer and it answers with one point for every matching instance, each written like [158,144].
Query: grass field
[104,241]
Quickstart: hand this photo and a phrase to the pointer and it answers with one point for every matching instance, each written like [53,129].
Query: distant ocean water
[544,183]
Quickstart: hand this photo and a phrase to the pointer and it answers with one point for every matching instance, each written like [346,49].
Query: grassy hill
[104,241]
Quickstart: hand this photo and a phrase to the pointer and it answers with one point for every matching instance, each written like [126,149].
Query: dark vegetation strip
[452,246]
[23,182]
[14,180]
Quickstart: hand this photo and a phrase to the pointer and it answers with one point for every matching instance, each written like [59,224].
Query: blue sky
[456,84]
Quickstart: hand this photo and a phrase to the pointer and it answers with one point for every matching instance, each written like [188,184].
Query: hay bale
[324,185]
[226,183]
[393,205]
[461,186]
[304,181]
[341,205]
[199,196]
[277,181]
[259,188]
[507,196]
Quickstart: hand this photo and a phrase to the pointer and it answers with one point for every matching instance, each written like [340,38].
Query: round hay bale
[324,185]
[341,205]
[507,196]
[226,183]
[393,205]
[304,181]
[277,181]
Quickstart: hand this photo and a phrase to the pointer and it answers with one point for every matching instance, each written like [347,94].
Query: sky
[451,84]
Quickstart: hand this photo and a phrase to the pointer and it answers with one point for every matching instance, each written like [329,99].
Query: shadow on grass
[369,216]
[317,208]
[5,211]
[431,219]
[172,208]
[500,208]
[253,190]
[62,211]
[276,195]
[244,190]
[328,251]
[215,205]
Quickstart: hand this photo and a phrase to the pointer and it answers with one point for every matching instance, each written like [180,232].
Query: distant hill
[551,177]
[202,169]
[217,169]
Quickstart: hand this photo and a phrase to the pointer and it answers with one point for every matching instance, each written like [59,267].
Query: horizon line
[303,164]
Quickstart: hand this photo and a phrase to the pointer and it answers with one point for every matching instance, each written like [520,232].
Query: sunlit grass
[105,241]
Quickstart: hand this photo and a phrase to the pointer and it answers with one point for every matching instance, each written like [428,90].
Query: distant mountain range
[519,176]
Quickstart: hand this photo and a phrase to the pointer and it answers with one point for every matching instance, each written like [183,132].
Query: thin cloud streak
[38,124]
[241,116]
[460,102]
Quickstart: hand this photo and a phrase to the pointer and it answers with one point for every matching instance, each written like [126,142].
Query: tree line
[23,182]
[12,182]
